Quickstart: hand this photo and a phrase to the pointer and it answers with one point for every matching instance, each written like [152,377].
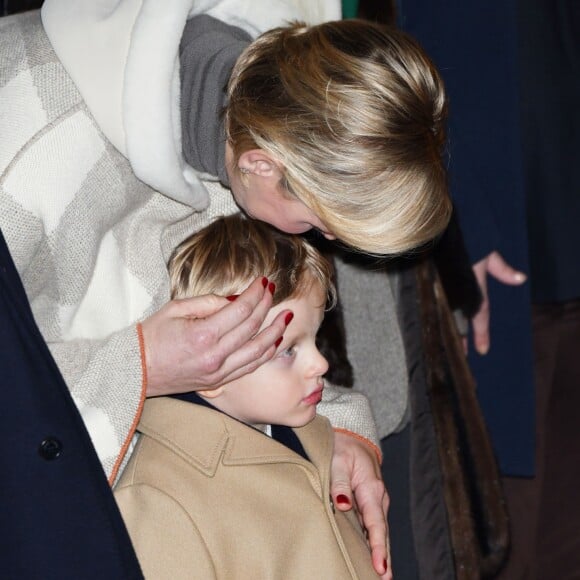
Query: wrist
[374,448]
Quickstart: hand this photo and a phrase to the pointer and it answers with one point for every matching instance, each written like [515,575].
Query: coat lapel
[176,424]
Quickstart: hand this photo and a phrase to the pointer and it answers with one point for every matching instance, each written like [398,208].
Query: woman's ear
[258,162]
[211,393]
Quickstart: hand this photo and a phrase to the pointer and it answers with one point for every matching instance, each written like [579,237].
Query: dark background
[13,6]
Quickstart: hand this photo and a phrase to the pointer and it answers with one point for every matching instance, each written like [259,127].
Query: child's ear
[211,393]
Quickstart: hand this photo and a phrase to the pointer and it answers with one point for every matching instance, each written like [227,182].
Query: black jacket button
[50,448]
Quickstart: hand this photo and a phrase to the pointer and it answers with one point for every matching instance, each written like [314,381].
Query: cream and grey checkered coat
[91,240]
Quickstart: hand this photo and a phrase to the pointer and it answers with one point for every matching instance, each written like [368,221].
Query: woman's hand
[493,265]
[355,471]
[204,342]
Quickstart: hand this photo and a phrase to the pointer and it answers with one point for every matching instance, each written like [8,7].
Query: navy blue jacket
[58,519]
[549,32]
[475,46]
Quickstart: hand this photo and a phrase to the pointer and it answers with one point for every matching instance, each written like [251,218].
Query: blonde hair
[226,256]
[354,111]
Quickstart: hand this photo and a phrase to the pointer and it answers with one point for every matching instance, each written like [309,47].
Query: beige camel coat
[205,496]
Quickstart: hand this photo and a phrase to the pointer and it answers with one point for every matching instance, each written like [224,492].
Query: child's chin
[307,418]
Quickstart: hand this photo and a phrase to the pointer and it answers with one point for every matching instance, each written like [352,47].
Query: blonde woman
[114,151]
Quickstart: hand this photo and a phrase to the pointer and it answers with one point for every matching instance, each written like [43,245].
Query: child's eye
[288,352]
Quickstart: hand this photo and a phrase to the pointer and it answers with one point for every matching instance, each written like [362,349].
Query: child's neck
[263,427]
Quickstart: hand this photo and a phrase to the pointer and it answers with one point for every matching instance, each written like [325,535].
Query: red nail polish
[385,565]
[264,281]
[232,297]
[277,343]
[272,288]
[288,318]
[343,499]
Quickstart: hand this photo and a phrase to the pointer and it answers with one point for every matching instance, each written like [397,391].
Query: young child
[234,482]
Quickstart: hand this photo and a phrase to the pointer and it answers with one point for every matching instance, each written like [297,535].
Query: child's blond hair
[226,256]
[355,113]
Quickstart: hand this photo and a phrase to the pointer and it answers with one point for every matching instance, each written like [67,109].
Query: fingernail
[264,281]
[343,499]
[277,343]
[483,348]
[288,318]
[519,277]
[272,288]
[232,297]
[385,565]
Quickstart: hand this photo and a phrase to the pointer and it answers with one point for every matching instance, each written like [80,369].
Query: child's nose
[320,364]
